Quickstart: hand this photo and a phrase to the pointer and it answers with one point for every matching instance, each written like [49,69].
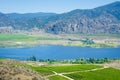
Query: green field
[48,70]
[83,74]
[42,70]
[74,71]
[67,72]
[61,69]
[23,40]
[71,68]
[21,37]
[105,74]
[57,77]
[16,37]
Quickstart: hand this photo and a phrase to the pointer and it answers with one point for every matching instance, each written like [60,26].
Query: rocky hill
[5,20]
[100,20]
[14,70]
[105,19]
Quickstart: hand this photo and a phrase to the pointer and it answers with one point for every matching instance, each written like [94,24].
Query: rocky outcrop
[100,20]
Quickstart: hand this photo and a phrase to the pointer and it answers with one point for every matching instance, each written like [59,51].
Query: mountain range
[100,20]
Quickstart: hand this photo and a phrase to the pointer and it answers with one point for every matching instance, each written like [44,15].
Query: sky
[54,6]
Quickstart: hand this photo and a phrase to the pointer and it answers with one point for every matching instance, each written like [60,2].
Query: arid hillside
[14,70]
[114,64]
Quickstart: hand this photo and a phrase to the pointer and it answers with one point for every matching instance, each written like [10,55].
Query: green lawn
[16,37]
[47,70]
[71,68]
[21,37]
[105,74]
[57,78]
[42,70]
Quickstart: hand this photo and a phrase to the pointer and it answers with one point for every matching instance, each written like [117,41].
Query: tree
[33,58]
[91,60]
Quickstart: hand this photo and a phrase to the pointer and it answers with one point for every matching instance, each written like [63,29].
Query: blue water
[59,52]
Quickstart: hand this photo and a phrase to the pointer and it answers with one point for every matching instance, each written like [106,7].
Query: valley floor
[30,40]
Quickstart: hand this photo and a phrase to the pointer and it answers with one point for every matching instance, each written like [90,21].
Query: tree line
[73,61]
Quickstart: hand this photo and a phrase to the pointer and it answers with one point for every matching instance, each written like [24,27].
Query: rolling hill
[100,20]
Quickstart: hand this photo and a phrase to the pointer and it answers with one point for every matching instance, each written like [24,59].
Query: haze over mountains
[104,19]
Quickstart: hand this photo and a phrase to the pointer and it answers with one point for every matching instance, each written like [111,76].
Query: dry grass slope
[114,64]
[11,70]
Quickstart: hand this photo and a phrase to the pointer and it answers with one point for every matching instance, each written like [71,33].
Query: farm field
[104,74]
[57,77]
[22,37]
[78,72]
[46,70]
[23,40]
[64,71]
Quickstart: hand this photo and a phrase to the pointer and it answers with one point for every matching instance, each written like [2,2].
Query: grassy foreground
[57,78]
[78,72]
[105,74]
[12,69]
[48,70]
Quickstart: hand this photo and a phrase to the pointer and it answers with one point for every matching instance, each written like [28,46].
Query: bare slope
[11,70]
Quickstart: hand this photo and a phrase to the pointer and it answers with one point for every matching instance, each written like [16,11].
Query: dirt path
[85,70]
[62,74]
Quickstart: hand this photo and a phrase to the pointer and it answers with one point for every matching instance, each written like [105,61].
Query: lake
[59,52]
